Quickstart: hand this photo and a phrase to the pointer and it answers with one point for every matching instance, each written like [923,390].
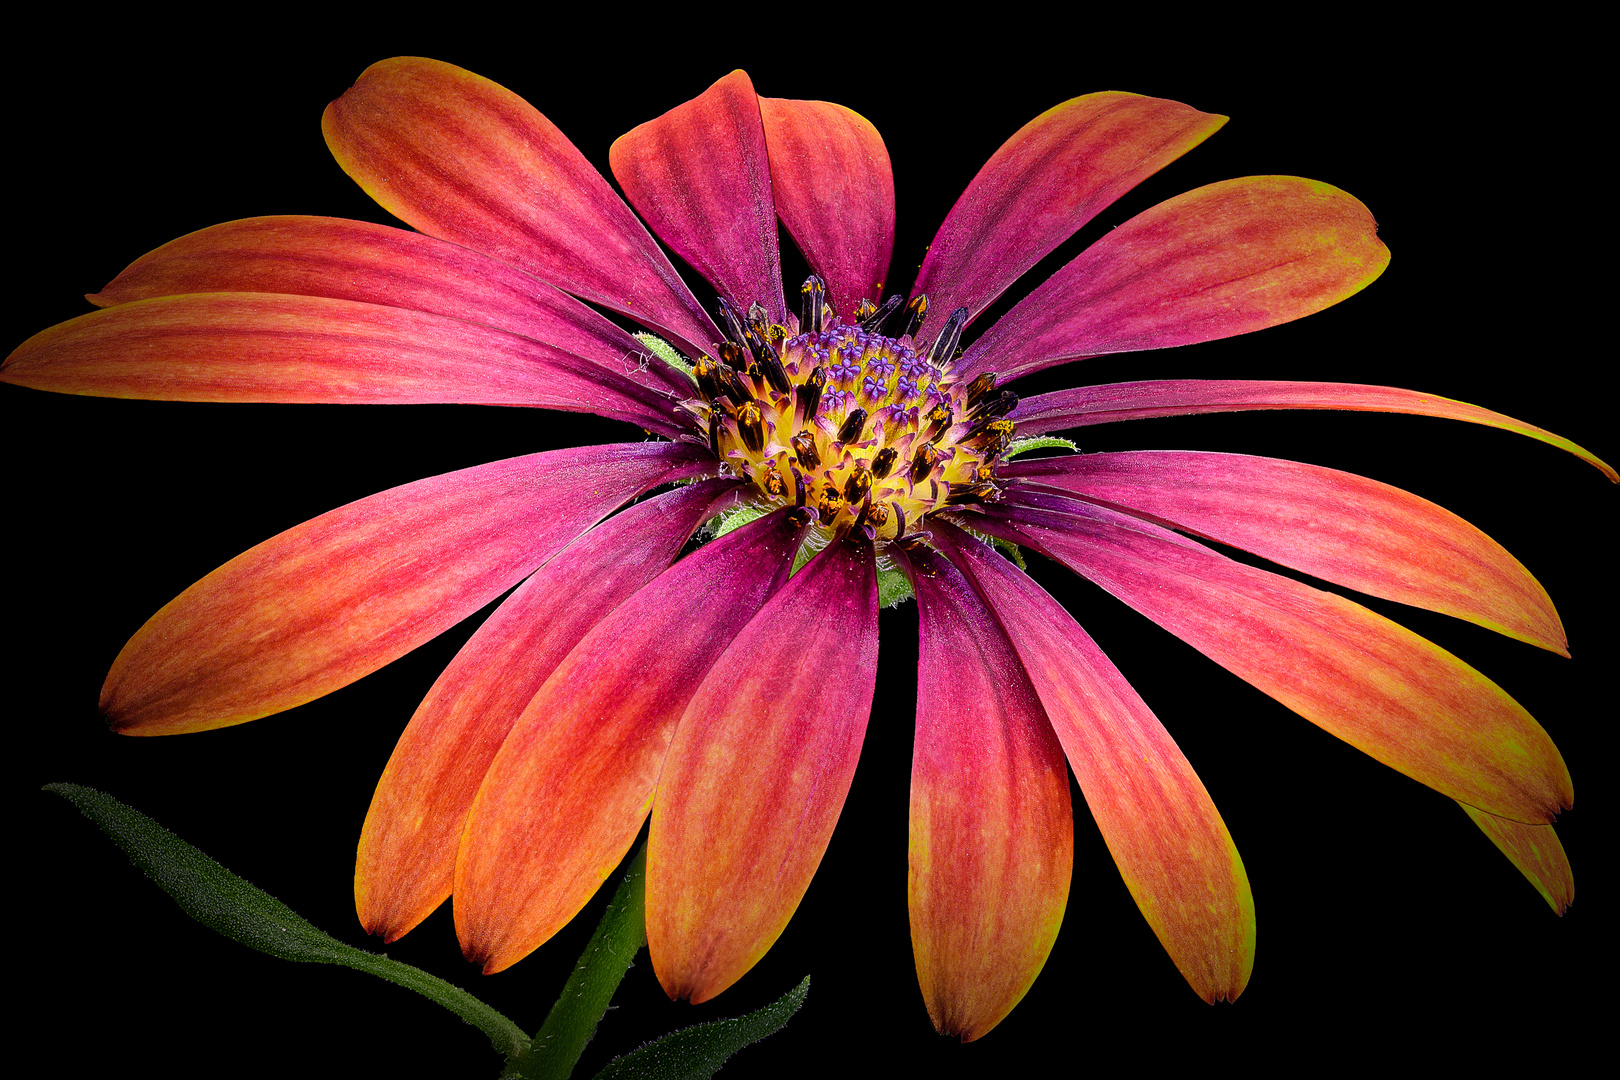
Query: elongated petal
[1364,679]
[308,349]
[464,159]
[1334,525]
[1226,259]
[376,264]
[701,176]
[1111,402]
[1535,851]
[757,774]
[992,832]
[1055,174]
[339,596]
[1167,838]
[834,191]
[407,856]
[570,787]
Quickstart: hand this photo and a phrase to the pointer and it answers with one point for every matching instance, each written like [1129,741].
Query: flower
[983,623]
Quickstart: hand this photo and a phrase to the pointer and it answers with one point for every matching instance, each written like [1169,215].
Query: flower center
[859,427]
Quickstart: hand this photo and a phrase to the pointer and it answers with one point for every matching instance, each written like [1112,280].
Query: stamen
[980,387]
[874,322]
[854,424]
[945,345]
[809,394]
[775,373]
[883,464]
[751,426]
[703,371]
[1000,405]
[804,446]
[939,420]
[730,323]
[858,484]
[863,311]
[810,305]
[830,504]
[922,462]
[916,312]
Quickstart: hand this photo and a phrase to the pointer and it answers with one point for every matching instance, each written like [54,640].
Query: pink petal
[834,192]
[407,855]
[339,596]
[1055,174]
[1334,525]
[466,160]
[1226,259]
[570,787]
[376,264]
[992,832]
[701,177]
[1364,679]
[1111,402]
[1535,851]
[1169,841]
[308,349]
[757,774]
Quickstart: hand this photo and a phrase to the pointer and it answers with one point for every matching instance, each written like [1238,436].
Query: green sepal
[228,905]
[665,352]
[697,1052]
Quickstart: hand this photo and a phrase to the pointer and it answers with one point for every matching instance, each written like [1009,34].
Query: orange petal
[407,856]
[570,787]
[1536,852]
[992,832]
[339,596]
[757,774]
[1167,838]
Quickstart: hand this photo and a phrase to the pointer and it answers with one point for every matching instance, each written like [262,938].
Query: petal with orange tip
[1334,525]
[336,598]
[1535,851]
[570,787]
[757,774]
[992,831]
[1381,688]
[1167,838]
[1226,259]
[407,856]
[1052,176]
[464,159]
[701,176]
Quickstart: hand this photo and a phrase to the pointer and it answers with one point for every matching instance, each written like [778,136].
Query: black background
[1385,919]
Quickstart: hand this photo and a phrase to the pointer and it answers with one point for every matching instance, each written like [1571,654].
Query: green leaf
[697,1052]
[579,1008]
[225,903]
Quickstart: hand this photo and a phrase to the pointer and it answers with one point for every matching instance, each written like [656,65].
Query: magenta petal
[376,264]
[701,176]
[1226,259]
[570,787]
[1055,174]
[1366,680]
[1167,838]
[462,158]
[757,774]
[407,855]
[311,350]
[1334,525]
[992,831]
[834,192]
[339,596]
[1110,402]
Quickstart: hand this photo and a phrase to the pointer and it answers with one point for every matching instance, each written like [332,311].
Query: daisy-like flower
[720,691]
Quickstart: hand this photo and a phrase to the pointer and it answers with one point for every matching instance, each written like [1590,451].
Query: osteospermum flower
[618,677]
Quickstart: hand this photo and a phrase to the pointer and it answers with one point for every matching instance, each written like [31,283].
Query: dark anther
[804,446]
[716,418]
[731,385]
[945,345]
[854,424]
[989,428]
[978,388]
[730,323]
[775,373]
[967,496]
[864,310]
[1000,405]
[916,312]
[922,462]
[751,426]
[809,394]
[873,323]
[858,484]
[773,483]
[985,471]
[800,516]
[939,420]
[829,504]
[732,355]
[883,464]
[703,372]
[810,301]
[877,514]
